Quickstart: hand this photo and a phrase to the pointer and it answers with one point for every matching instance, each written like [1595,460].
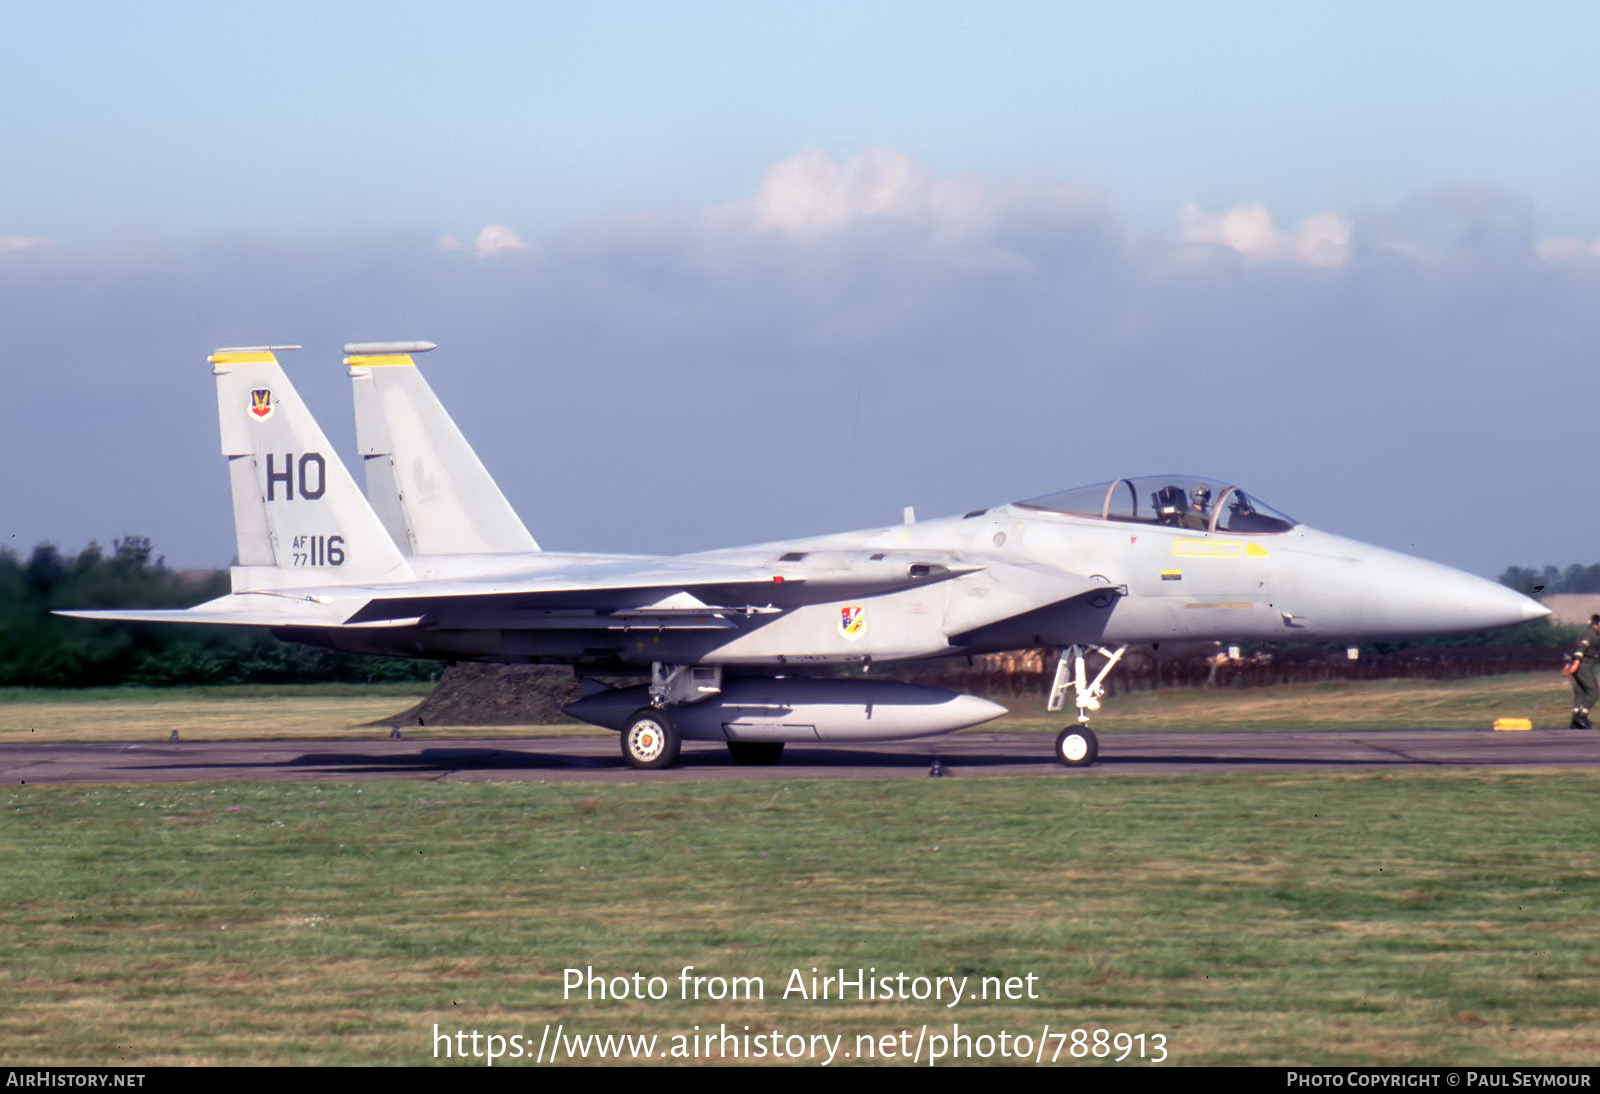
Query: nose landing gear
[1077,746]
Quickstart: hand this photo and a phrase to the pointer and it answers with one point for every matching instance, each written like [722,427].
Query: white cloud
[497,239]
[22,243]
[1321,240]
[1566,249]
[814,194]
[494,239]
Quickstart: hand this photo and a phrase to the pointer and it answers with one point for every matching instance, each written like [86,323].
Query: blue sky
[195,120]
[1344,256]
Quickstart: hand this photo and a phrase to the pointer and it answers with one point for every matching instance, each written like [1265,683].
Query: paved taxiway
[577,759]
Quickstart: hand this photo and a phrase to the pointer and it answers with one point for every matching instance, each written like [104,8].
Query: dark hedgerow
[38,649]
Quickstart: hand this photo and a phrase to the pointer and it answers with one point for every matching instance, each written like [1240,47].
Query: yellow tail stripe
[248,358]
[377,359]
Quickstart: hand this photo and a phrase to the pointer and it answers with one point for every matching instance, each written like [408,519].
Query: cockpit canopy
[1176,501]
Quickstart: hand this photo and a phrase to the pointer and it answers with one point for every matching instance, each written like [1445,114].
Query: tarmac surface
[596,759]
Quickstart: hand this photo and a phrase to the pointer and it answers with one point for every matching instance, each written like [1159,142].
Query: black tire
[650,740]
[755,752]
[1077,746]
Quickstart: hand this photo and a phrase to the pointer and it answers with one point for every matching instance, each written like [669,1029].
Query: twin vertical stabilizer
[426,484]
[299,516]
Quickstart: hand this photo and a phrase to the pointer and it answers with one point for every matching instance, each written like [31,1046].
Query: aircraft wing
[671,592]
[648,587]
[262,609]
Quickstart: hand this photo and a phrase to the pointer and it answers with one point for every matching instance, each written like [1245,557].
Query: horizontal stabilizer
[236,619]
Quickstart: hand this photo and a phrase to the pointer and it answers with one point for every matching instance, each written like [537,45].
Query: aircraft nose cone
[1439,600]
[1532,610]
[1489,604]
[1368,591]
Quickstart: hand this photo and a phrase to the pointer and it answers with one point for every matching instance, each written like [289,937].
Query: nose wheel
[1077,746]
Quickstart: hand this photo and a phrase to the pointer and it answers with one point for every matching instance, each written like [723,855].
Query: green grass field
[1310,919]
[312,712]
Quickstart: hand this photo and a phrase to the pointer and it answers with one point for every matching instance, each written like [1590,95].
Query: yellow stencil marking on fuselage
[1206,548]
[1255,550]
[372,360]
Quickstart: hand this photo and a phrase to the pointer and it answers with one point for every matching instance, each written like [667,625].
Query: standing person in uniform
[1580,666]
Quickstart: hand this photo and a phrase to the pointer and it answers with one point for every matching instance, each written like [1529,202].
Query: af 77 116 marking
[439,566]
[317,551]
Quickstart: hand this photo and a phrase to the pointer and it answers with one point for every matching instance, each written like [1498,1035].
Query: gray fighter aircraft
[738,642]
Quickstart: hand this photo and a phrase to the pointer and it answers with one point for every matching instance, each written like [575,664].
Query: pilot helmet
[1202,494]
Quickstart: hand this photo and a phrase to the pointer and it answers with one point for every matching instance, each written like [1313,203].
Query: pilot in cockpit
[1198,514]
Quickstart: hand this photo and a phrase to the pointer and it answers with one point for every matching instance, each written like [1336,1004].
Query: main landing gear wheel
[650,740]
[755,752]
[1077,746]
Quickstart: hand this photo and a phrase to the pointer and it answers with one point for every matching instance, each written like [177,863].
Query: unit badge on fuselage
[852,622]
[261,405]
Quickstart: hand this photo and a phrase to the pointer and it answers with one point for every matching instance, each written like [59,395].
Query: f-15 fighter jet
[738,643]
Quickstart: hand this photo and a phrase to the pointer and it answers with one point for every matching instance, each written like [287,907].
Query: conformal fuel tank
[802,709]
